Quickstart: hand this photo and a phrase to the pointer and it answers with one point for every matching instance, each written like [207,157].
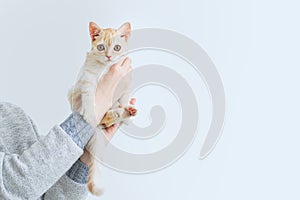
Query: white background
[254,45]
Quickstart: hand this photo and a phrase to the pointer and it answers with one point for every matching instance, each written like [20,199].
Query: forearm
[66,188]
[72,185]
[80,131]
[33,172]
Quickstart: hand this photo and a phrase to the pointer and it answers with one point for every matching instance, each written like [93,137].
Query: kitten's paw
[110,118]
[131,110]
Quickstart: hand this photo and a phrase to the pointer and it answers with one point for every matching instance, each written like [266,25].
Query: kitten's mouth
[110,60]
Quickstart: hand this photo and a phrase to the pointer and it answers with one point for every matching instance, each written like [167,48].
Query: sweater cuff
[78,172]
[79,130]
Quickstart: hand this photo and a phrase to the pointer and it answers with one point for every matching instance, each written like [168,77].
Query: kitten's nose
[108,57]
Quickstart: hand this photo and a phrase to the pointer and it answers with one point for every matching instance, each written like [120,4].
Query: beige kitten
[108,46]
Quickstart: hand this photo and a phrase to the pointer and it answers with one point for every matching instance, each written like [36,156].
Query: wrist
[85,157]
[78,129]
[78,172]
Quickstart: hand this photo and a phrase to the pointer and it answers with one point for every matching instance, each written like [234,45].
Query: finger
[127,68]
[110,131]
[121,62]
[126,62]
[115,64]
[132,101]
[112,128]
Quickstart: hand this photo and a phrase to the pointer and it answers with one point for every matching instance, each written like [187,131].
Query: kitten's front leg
[88,105]
[118,115]
[129,110]
[124,99]
[111,117]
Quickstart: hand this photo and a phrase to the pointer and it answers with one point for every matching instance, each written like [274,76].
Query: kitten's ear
[94,30]
[124,30]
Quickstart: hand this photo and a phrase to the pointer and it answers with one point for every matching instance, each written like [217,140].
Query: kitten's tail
[94,172]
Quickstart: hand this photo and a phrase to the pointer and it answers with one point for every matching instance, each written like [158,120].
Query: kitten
[108,46]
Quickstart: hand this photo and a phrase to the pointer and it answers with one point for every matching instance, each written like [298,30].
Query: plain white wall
[254,45]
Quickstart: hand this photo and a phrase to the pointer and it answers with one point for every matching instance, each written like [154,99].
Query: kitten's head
[109,44]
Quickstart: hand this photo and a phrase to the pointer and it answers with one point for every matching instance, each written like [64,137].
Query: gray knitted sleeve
[34,167]
[80,131]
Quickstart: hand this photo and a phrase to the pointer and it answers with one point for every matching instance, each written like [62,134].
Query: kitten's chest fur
[93,69]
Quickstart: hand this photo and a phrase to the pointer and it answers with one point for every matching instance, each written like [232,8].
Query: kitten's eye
[100,47]
[117,47]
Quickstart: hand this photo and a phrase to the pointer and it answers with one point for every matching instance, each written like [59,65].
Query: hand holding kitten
[106,87]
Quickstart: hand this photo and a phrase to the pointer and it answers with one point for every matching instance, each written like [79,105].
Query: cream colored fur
[82,94]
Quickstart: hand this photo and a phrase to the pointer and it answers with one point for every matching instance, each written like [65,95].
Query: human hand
[109,133]
[107,85]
